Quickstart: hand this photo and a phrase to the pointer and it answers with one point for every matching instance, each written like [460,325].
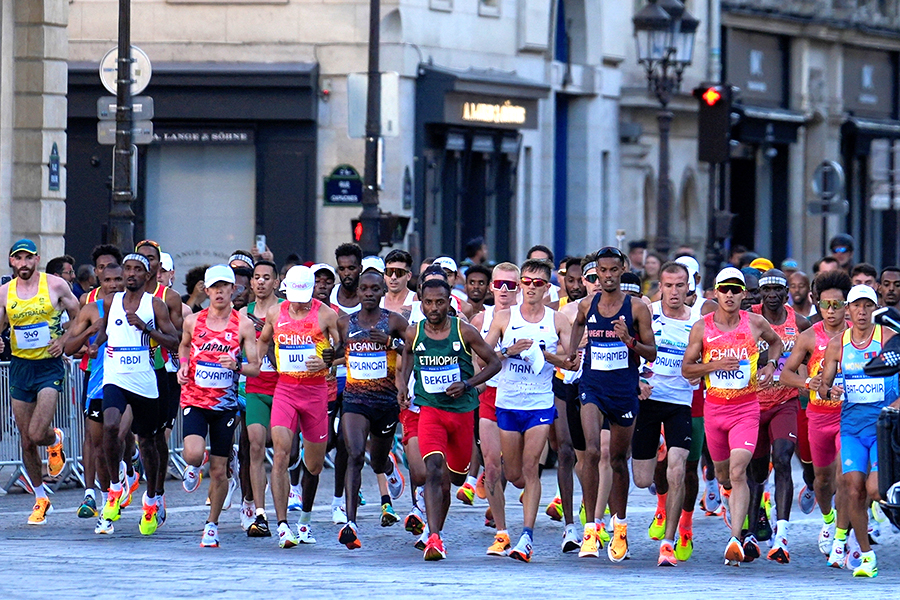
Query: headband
[589,266]
[773,280]
[630,287]
[138,257]
[241,257]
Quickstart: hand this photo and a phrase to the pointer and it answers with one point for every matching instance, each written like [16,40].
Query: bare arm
[829,370]
[164,333]
[248,344]
[578,326]
[790,374]
[174,304]
[564,332]
[86,325]
[646,347]
[268,330]
[764,376]
[401,375]
[184,349]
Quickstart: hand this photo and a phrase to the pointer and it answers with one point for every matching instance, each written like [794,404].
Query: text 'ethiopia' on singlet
[370,366]
[440,363]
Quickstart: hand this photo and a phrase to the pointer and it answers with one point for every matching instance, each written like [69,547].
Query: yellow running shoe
[40,511]
[618,547]
[684,547]
[868,567]
[56,458]
[501,545]
[657,530]
[112,510]
[466,494]
[149,523]
[555,510]
[603,534]
[590,544]
[581,515]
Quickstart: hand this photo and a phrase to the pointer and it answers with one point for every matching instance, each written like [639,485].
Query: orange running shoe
[666,556]
[40,511]
[618,546]
[56,458]
[480,491]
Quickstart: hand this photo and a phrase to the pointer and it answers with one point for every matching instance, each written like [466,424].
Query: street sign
[840,208]
[344,186]
[141,70]
[142,108]
[828,181]
[357,88]
[141,133]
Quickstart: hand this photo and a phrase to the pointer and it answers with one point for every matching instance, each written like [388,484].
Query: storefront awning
[757,125]
[857,133]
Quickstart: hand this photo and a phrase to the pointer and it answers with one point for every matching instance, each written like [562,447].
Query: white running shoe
[396,482]
[210,536]
[854,553]
[338,515]
[826,538]
[295,502]
[571,539]
[712,499]
[248,514]
[838,555]
[229,495]
[286,537]
[104,527]
[304,534]
[191,479]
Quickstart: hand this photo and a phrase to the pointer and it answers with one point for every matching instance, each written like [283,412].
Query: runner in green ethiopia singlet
[438,364]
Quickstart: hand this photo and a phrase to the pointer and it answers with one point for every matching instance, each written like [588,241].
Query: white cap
[730,273]
[217,273]
[446,263]
[323,267]
[693,267]
[298,284]
[165,261]
[858,292]
[373,262]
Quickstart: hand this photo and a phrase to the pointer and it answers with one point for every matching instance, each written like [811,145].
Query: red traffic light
[711,96]
[357,231]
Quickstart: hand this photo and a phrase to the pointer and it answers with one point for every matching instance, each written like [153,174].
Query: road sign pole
[121,216]
[370,239]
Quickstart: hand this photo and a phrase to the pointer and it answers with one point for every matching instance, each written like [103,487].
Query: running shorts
[449,434]
[219,424]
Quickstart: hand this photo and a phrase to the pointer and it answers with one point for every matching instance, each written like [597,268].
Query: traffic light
[357,227]
[713,122]
[391,229]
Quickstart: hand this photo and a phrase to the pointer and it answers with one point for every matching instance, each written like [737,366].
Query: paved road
[64,559]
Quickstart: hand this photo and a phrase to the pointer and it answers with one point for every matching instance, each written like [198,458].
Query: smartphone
[261,243]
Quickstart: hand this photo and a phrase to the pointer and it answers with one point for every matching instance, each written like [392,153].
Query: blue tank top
[610,367]
[864,396]
[95,382]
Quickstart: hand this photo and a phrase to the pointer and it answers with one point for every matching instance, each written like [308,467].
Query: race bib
[731,380]
[367,365]
[436,380]
[668,361]
[129,359]
[266,366]
[864,390]
[609,356]
[212,375]
[780,367]
[32,337]
[292,357]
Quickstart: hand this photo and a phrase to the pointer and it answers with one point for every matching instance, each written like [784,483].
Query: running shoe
[210,537]
[603,533]
[666,556]
[763,527]
[88,508]
[388,515]
[712,498]
[149,523]
[480,490]
[854,553]
[523,550]
[806,500]
[191,479]
[555,510]
[571,539]
[395,481]
[415,521]
[751,548]
[348,536]
[161,510]
[131,485]
[338,515]
[657,529]
[466,494]
[434,548]
[617,550]
[684,547]
[56,458]
[104,527]
[734,553]
[590,544]
[286,537]
[868,566]
[304,534]
[501,545]
[838,555]
[726,514]
[39,513]
[229,495]
[259,527]
[489,518]
[582,515]
[295,502]
[112,510]
[248,514]
[422,541]
[362,499]
[779,552]
[826,538]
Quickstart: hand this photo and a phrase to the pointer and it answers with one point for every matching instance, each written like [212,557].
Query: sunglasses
[610,252]
[395,272]
[533,281]
[824,305]
[730,288]
[504,285]
[840,249]
[592,278]
[146,243]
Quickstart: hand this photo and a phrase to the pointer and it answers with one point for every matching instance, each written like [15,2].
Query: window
[441,5]
[489,8]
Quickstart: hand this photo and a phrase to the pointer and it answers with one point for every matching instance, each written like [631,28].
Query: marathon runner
[302,329]
[864,397]
[439,350]
[397,273]
[370,405]
[211,364]
[889,286]
[801,300]
[726,343]
[478,278]
[617,326]
[532,338]
[33,306]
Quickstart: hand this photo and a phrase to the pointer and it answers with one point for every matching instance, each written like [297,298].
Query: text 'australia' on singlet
[268,374]
[35,321]
[370,366]
[814,366]
[128,361]
[520,388]
[671,336]
[788,331]
[438,364]
[296,341]
[210,385]
[610,367]
[730,387]
[864,395]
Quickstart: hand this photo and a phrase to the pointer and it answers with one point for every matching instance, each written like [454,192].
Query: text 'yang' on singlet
[296,341]
[128,362]
[864,395]
[788,331]
[730,387]
[671,336]
[519,386]
[610,367]
[440,363]
[370,366]
[210,385]
[35,322]
[268,375]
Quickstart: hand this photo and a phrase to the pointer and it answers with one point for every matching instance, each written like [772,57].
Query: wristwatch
[808,379]
[773,361]
[504,352]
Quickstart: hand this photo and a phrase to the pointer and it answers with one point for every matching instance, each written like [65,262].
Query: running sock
[284,521]
[56,435]
[687,520]
[261,512]
[840,534]
[40,491]
[529,531]
[618,521]
[473,481]
[337,501]
[670,543]
[781,528]
[115,487]
[305,517]
[502,532]
[660,503]
[830,517]
[149,500]
[296,489]
[385,500]
[869,554]
[90,492]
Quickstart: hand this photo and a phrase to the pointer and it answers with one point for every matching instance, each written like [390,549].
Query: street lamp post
[664,32]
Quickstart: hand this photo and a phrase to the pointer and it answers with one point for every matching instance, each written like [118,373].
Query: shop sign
[491,111]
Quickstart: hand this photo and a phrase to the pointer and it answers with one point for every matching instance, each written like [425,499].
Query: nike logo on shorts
[748,443]
[544,420]
[323,437]
[388,428]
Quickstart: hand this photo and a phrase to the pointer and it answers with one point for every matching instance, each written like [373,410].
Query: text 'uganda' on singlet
[671,336]
[440,363]
[370,366]
[610,368]
[814,366]
[210,385]
[520,388]
[297,340]
[864,396]
[776,393]
[35,321]
[128,362]
[730,387]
